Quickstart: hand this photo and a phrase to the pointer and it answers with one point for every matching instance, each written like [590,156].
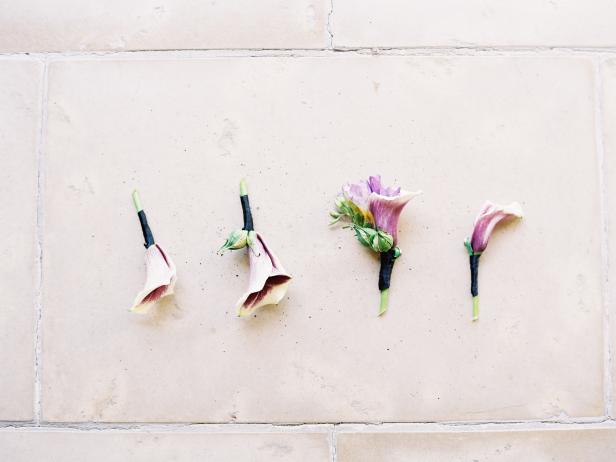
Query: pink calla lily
[381,205]
[489,216]
[268,280]
[487,219]
[387,209]
[160,279]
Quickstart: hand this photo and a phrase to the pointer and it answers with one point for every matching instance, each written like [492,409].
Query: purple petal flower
[358,193]
[386,204]
[376,222]
[382,205]
[386,210]
[374,182]
[268,280]
[487,219]
[160,279]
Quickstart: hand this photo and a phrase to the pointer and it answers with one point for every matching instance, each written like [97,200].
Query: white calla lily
[160,279]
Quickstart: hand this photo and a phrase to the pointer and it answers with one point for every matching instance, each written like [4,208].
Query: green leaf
[467,244]
[347,208]
[364,235]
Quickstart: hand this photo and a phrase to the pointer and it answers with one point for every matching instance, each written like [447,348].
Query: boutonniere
[268,280]
[372,211]
[160,270]
[484,224]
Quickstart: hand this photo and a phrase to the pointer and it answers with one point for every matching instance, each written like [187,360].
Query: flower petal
[268,280]
[272,292]
[386,210]
[358,193]
[160,279]
[374,183]
[376,186]
[487,219]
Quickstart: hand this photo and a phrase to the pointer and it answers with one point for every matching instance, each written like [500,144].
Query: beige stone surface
[98,446]
[608,74]
[20,90]
[451,23]
[37,25]
[461,129]
[597,445]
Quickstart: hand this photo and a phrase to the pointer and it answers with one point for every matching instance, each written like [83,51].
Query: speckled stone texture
[466,101]
[185,132]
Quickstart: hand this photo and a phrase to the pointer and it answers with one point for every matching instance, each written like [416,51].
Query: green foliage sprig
[362,224]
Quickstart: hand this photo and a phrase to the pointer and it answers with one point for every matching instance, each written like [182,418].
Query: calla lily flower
[268,281]
[380,205]
[373,211]
[160,279]
[160,270]
[489,216]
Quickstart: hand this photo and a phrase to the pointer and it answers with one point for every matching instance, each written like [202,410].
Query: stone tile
[20,90]
[462,129]
[598,445]
[416,23]
[608,73]
[36,25]
[97,446]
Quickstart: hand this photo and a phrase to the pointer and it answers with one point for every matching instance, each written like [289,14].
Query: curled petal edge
[491,214]
[387,209]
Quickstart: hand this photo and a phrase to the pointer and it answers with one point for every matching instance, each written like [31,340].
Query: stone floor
[181,100]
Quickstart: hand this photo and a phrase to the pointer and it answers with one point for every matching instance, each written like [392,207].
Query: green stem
[243,188]
[137,201]
[476,308]
[384,301]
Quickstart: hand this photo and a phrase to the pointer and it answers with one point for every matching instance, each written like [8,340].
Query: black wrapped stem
[387,265]
[145,228]
[248,224]
[474,263]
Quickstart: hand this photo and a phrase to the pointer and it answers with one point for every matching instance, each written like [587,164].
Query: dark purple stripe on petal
[156,294]
[254,298]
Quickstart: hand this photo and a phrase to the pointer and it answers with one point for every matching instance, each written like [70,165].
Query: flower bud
[237,240]
[381,241]
[365,235]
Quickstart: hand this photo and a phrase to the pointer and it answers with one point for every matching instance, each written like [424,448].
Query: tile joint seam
[605,260]
[329,25]
[38,304]
[313,52]
[310,427]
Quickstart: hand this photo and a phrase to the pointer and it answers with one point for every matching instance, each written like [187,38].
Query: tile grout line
[605,260]
[313,52]
[334,444]
[329,25]
[330,428]
[38,345]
